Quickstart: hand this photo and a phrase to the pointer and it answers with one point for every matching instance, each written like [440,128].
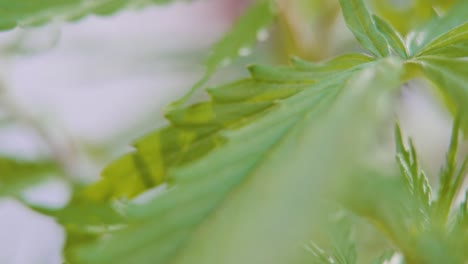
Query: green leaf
[360,22]
[450,29]
[421,229]
[385,257]
[343,247]
[341,62]
[404,16]
[256,161]
[413,176]
[84,221]
[33,12]
[238,41]
[451,181]
[450,76]
[455,37]
[393,38]
[16,175]
[195,129]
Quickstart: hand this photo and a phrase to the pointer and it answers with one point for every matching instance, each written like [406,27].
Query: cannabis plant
[281,166]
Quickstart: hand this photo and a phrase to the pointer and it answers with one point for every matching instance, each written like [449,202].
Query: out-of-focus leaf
[451,180]
[443,4]
[457,37]
[403,16]
[84,215]
[16,175]
[394,39]
[239,41]
[414,177]
[385,257]
[450,75]
[34,12]
[440,50]
[223,165]
[341,62]
[449,29]
[423,230]
[360,22]
[343,248]
[196,129]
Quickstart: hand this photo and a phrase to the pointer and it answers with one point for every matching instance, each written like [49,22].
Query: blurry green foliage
[36,12]
[239,41]
[245,176]
[16,175]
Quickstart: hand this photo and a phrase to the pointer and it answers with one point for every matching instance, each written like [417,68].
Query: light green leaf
[195,128]
[450,29]
[360,22]
[33,12]
[407,215]
[16,175]
[85,221]
[341,62]
[343,247]
[239,41]
[392,36]
[413,176]
[450,76]
[443,4]
[404,16]
[384,258]
[451,180]
[457,36]
[220,164]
